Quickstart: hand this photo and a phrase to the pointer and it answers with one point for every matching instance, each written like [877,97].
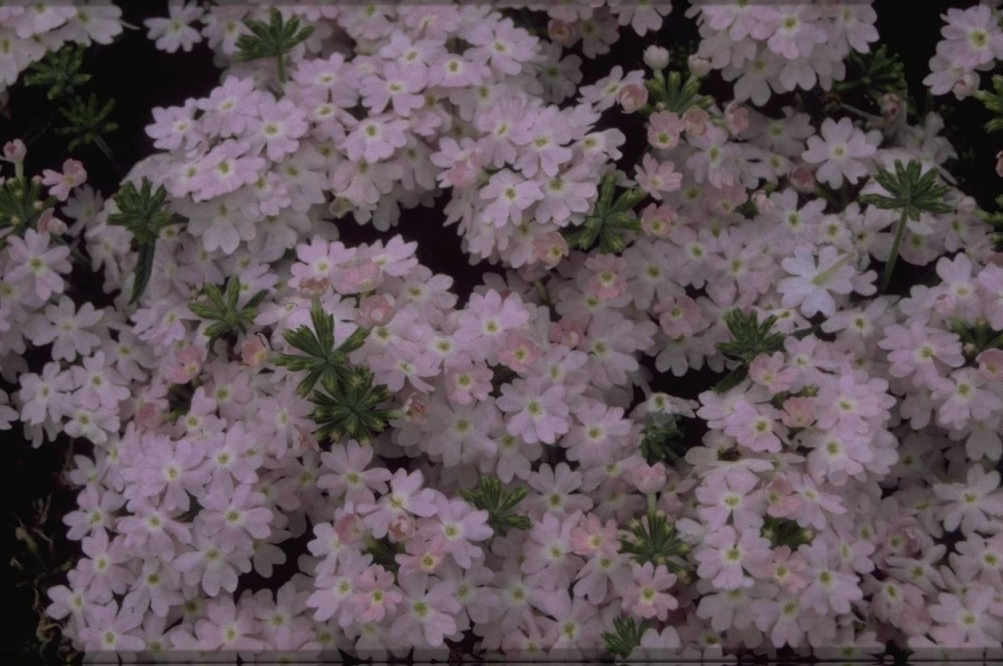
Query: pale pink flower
[646,595]
[769,372]
[648,478]
[725,554]
[518,352]
[665,130]
[842,151]
[607,282]
[632,97]
[658,178]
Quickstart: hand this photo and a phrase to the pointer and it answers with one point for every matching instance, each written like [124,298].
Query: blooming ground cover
[727,379]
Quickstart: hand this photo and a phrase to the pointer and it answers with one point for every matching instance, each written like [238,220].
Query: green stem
[886,277]
[282,67]
[859,112]
[106,149]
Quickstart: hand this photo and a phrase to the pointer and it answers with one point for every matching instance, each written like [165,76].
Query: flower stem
[282,67]
[886,277]
[106,150]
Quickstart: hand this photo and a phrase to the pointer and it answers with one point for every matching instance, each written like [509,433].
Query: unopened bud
[699,67]
[656,57]
[14,151]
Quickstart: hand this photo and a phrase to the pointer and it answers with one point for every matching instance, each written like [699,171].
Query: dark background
[139,78]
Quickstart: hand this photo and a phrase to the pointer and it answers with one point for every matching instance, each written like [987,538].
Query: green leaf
[60,70]
[626,636]
[272,40]
[22,203]
[662,440]
[653,539]
[319,357]
[876,74]
[226,315]
[142,212]
[144,270]
[86,121]
[609,221]
[351,408]
[993,101]
[489,495]
[749,339]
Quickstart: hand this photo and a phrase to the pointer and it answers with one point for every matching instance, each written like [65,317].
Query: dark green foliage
[490,496]
[22,204]
[877,73]
[675,95]
[144,214]
[272,40]
[911,192]
[662,440]
[626,636]
[87,121]
[225,311]
[320,359]
[653,539]
[749,339]
[609,220]
[60,70]
[350,407]
[993,101]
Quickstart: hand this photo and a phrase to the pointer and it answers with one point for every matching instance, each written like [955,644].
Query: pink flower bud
[149,417]
[550,248]
[802,179]
[187,365]
[999,164]
[658,221]
[349,528]
[254,350]
[518,352]
[567,332]
[50,224]
[736,118]
[695,120]
[563,33]
[313,287]
[762,202]
[966,86]
[656,57]
[464,172]
[945,304]
[357,277]
[991,364]
[798,412]
[967,204]
[892,106]
[14,151]
[375,311]
[415,410]
[632,97]
[306,441]
[401,528]
[699,67]
[648,478]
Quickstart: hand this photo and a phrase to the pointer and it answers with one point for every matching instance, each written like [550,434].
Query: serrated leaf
[144,270]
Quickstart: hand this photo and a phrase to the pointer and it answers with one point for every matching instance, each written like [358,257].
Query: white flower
[840,151]
[811,285]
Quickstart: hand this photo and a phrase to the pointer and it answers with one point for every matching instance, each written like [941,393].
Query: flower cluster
[767,48]
[28,32]
[520,470]
[973,42]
